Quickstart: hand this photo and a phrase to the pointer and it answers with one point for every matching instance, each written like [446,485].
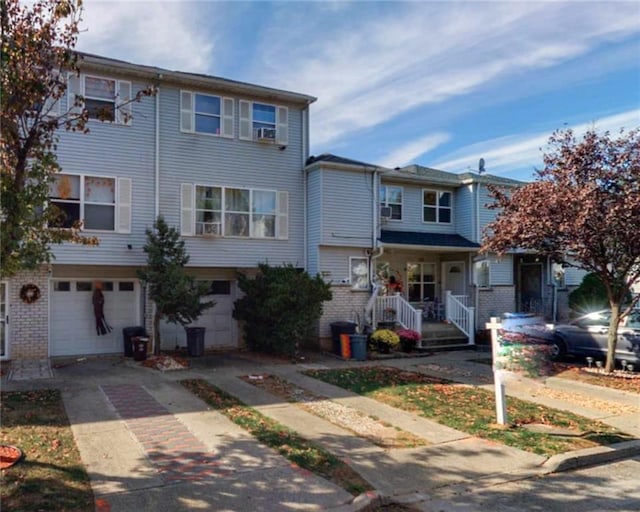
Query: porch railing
[461,315]
[395,308]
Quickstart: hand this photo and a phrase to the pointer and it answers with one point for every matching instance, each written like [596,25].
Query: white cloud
[505,155]
[407,153]
[164,34]
[368,66]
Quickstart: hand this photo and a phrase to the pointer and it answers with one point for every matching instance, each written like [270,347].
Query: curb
[591,456]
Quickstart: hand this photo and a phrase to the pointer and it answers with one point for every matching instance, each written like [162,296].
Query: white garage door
[221,330]
[72,324]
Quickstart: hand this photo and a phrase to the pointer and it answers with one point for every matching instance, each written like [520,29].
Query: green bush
[280,308]
[591,295]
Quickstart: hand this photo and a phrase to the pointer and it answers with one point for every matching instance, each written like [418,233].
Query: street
[608,487]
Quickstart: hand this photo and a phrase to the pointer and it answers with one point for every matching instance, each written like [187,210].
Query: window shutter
[186,111]
[245,120]
[283,215]
[123,112]
[124,205]
[227,117]
[74,89]
[282,126]
[187,219]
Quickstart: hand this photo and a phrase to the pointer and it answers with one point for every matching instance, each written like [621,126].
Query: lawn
[288,443]
[51,475]
[472,410]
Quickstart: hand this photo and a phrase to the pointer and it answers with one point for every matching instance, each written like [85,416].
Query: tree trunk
[612,338]
[156,333]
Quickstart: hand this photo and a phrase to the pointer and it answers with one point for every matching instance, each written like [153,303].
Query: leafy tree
[37,56]
[583,210]
[590,295]
[280,308]
[177,295]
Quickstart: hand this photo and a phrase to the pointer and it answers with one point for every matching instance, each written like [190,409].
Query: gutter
[157,153]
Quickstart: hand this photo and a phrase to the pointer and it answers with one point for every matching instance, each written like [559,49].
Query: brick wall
[344,303]
[495,302]
[29,323]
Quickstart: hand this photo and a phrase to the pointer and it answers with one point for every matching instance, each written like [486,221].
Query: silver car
[587,336]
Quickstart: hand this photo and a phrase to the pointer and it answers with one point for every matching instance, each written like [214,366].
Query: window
[436,206]
[106,99]
[219,288]
[260,121]
[84,286]
[421,281]
[359,273]
[205,113]
[92,201]
[482,273]
[234,212]
[208,210]
[62,286]
[392,197]
[126,286]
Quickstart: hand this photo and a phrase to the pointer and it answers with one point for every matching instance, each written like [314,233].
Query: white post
[501,404]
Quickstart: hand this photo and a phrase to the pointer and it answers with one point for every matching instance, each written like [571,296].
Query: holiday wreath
[29,293]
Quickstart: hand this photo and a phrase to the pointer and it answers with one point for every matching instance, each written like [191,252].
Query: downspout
[477,291]
[157,153]
[305,150]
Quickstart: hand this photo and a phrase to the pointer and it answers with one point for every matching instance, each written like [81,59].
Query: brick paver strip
[171,447]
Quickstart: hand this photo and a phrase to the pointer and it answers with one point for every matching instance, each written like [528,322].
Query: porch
[455,326]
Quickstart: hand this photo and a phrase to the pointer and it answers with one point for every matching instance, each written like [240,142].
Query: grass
[51,475]
[471,409]
[288,443]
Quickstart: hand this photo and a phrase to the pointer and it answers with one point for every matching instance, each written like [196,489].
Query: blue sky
[439,84]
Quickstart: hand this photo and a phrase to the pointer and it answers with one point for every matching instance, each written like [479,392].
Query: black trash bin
[139,344]
[338,328]
[195,341]
[127,334]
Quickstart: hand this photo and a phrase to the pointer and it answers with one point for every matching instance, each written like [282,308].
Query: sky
[438,84]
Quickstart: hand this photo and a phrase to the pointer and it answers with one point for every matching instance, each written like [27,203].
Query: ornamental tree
[178,297]
[583,211]
[37,57]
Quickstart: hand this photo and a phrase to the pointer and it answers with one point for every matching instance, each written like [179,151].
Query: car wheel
[558,349]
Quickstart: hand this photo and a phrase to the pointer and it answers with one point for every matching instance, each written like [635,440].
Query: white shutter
[124,205]
[245,120]
[282,126]
[186,111]
[227,117]
[123,112]
[187,210]
[74,88]
[283,215]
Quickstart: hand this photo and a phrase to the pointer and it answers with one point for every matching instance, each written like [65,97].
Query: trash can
[139,348]
[195,341]
[359,347]
[338,328]
[127,334]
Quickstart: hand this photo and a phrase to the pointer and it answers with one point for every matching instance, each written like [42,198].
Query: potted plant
[385,340]
[408,339]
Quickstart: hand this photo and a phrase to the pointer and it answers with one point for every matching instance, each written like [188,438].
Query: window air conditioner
[211,228]
[385,212]
[266,134]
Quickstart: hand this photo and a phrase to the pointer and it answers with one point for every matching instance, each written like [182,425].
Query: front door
[4,320]
[530,280]
[453,278]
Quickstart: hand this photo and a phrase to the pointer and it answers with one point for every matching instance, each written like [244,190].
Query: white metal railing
[394,308]
[461,315]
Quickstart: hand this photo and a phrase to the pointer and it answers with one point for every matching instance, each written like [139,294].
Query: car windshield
[597,318]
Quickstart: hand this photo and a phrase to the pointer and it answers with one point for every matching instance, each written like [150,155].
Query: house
[228,164]
[219,159]
[416,232]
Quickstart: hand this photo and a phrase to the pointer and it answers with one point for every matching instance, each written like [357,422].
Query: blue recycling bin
[358,346]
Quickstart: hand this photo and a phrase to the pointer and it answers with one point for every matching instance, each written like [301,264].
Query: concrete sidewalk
[149,444]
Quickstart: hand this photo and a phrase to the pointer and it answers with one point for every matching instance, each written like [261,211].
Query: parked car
[587,336]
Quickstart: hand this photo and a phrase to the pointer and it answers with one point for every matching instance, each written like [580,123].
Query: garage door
[72,324]
[221,330]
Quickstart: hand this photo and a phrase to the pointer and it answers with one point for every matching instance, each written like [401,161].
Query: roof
[159,75]
[418,173]
[333,159]
[426,239]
